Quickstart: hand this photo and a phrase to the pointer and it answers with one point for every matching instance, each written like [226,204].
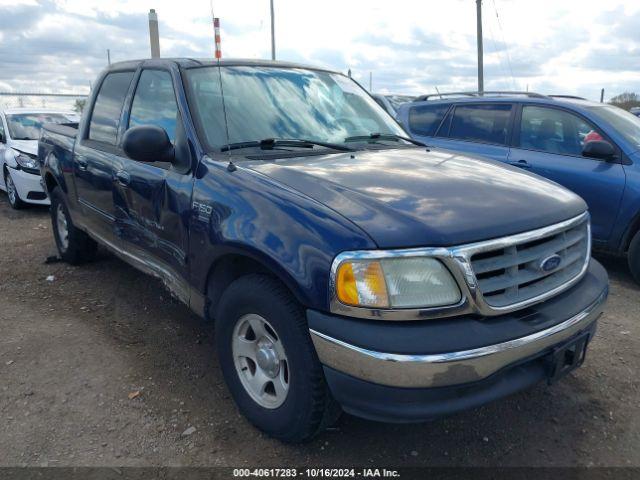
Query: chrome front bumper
[445,369]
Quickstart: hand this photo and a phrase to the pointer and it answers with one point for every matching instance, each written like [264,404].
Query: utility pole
[108,57]
[273,34]
[479,41]
[370,82]
[154,36]
[602,96]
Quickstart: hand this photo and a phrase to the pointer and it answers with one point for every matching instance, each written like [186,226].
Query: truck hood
[25,146]
[412,197]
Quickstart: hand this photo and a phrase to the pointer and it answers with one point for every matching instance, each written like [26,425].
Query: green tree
[79,105]
[626,100]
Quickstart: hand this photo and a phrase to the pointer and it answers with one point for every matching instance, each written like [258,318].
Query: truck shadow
[617,268]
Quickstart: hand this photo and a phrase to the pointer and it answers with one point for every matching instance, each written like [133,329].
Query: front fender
[292,235]
[10,158]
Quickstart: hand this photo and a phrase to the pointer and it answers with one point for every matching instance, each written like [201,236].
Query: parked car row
[19,169]
[391,103]
[346,266]
[591,148]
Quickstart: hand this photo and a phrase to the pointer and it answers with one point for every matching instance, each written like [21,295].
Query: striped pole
[216,32]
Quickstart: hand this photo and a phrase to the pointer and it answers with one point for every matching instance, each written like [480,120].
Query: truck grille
[516,273]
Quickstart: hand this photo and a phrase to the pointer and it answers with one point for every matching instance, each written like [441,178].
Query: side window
[425,119]
[483,123]
[3,138]
[154,102]
[105,118]
[555,131]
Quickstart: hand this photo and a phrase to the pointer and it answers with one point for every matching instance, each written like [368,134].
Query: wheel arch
[230,266]
[50,182]
[632,229]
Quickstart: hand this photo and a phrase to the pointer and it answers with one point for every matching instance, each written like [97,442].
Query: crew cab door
[476,129]
[153,199]
[96,156]
[549,140]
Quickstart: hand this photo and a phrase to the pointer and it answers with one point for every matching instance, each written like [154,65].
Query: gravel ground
[101,367]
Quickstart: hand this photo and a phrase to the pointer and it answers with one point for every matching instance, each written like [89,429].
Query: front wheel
[74,245]
[633,257]
[12,192]
[269,362]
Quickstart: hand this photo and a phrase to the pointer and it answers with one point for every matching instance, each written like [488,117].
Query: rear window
[105,118]
[483,123]
[425,119]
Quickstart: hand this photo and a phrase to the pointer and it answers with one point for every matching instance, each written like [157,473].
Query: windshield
[27,126]
[282,103]
[625,123]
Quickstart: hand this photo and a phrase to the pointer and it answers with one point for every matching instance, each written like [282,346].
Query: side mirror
[148,143]
[598,149]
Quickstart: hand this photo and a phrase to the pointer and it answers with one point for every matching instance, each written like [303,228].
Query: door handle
[521,164]
[82,164]
[123,178]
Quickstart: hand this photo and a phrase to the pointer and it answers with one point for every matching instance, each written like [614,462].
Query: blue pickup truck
[591,148]
[345,266]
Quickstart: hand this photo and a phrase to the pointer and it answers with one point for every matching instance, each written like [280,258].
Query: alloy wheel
[11,189]
[62,227]
[260,361]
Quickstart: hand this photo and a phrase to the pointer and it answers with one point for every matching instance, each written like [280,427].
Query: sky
[408,46]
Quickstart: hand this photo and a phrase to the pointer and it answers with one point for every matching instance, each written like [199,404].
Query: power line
[506,47]
[503,71]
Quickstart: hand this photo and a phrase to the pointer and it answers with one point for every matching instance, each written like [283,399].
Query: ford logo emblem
[550,263]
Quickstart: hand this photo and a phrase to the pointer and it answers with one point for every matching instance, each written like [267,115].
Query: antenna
[231,167]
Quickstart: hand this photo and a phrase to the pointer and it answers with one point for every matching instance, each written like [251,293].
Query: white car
[19,168]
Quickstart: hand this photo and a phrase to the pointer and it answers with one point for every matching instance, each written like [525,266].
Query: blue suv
[590,148]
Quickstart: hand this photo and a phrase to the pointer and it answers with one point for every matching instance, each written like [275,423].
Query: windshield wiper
[382,136]
[271,143]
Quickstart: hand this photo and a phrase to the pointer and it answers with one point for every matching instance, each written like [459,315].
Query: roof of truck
[199,62]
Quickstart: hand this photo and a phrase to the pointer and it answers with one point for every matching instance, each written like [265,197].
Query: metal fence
[62,101]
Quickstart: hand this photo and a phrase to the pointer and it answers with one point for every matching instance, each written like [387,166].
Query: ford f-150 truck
[345,266]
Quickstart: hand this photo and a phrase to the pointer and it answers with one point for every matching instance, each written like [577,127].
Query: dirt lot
[73,350]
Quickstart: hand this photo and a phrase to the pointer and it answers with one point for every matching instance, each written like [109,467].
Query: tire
[76,246]
[307,406]
[12,193]
[633,257]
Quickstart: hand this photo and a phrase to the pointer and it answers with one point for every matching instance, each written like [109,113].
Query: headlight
[411,282]
[27,161]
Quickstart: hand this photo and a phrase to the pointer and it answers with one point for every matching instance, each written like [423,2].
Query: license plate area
[567,357]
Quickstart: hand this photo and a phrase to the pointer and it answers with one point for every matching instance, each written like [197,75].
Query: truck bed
[56,144]
[65,129]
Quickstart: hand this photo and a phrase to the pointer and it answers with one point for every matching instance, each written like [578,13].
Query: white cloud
[410,46]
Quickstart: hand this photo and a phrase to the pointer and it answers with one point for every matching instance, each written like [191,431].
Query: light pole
[273,34]
[154,36]
[479,33]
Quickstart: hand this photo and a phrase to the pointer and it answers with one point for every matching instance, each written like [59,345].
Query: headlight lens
[27,161]
[412,282]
